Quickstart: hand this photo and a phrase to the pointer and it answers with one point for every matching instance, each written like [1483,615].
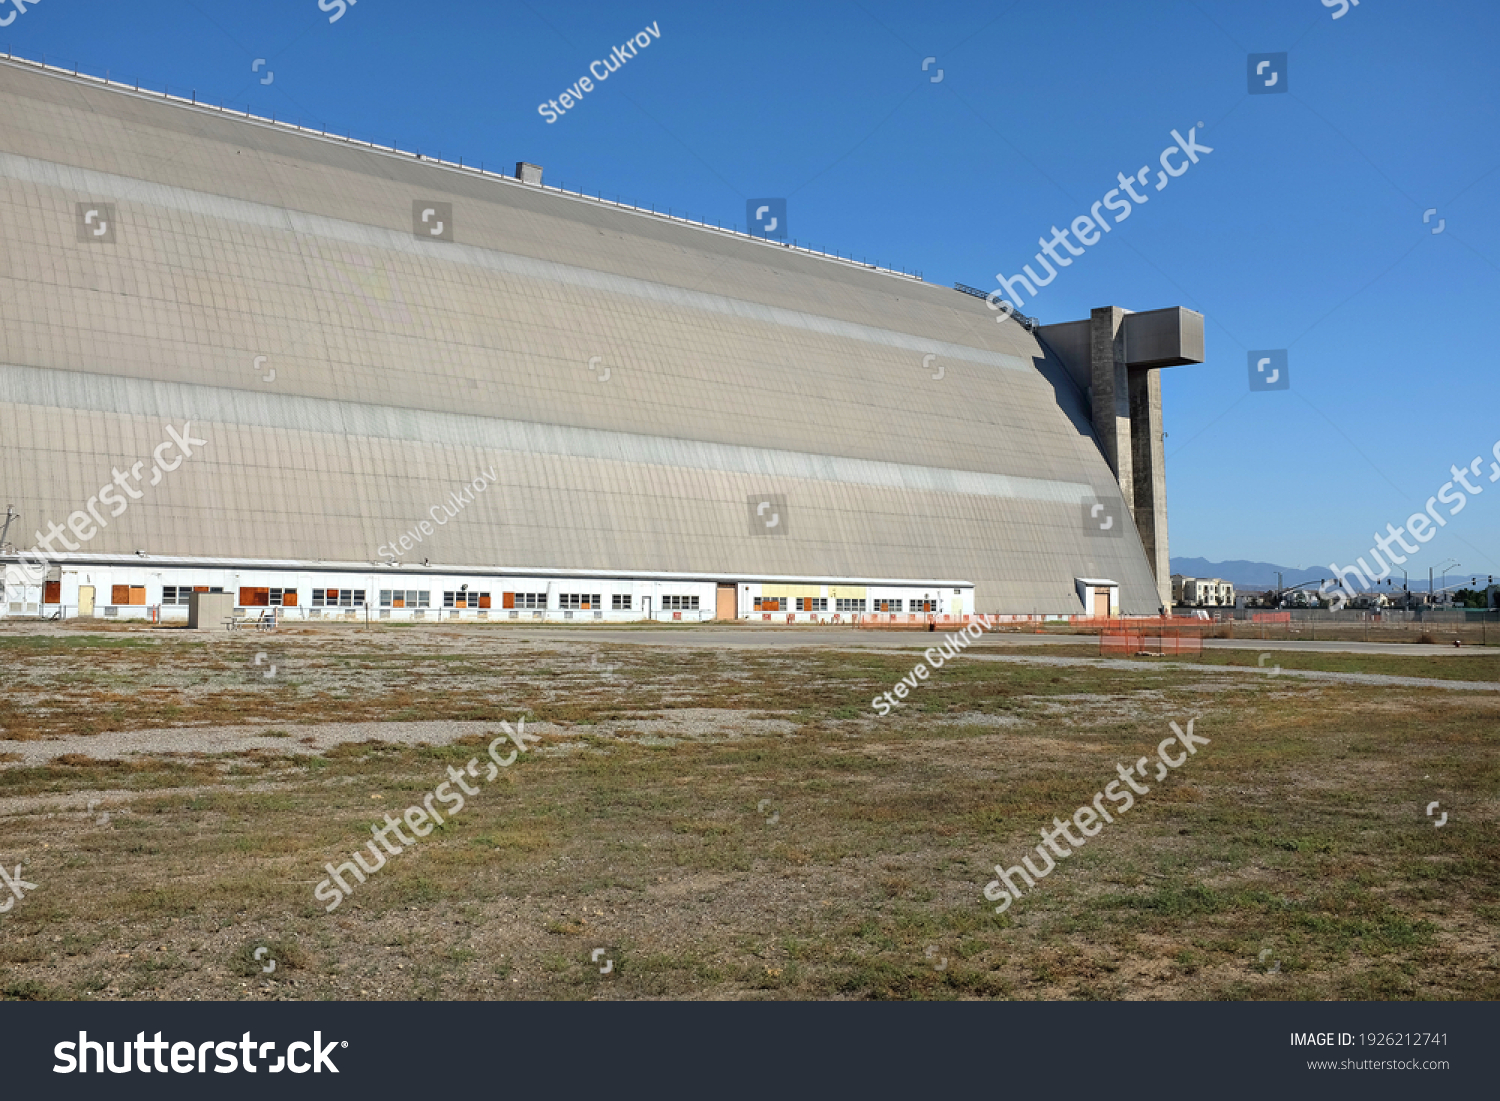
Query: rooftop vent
[528,173]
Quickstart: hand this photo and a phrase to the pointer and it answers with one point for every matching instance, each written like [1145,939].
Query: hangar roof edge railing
[192,103]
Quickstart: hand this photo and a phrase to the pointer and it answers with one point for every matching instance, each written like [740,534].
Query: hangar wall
[266,290]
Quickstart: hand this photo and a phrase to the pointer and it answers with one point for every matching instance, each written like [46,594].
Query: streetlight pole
[1454,565]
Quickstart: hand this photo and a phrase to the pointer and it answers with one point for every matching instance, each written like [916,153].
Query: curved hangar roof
[635,384]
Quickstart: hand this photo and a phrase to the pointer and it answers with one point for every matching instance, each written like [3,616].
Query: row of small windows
[269,598]
[405,598]
[840,604]
[338,598]
[179,594]
[465,599]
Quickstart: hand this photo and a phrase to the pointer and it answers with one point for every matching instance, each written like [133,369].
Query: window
[770,603]
[462,599]
[887,605]
[175,594]
[127,594]
[620,602]
[679,603]
[338,598]
[578,600]
[924,605]
[843,604]
[259,598]
[405,598]
[523,600]
[812,603]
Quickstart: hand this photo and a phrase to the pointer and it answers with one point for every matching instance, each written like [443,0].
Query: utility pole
[1452,563]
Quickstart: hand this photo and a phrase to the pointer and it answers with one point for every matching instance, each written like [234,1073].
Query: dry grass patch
[740,825]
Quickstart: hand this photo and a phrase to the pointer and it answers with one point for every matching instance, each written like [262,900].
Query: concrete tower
[1115,357]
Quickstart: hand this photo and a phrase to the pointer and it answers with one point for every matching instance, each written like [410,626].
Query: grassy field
[716,823]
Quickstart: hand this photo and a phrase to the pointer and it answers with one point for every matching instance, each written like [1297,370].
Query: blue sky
[1302,230]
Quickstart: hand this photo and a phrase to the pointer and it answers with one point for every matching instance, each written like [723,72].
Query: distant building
[1202,592]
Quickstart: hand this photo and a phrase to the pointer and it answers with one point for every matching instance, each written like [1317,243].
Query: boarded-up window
[507,600]
[460,598]
[255,598]
[119,594]
[138,594]
[52,592]
[289,598]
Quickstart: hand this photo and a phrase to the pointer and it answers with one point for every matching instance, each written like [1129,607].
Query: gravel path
[699,724]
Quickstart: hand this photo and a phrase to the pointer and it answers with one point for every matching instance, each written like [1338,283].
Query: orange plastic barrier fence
[1125,643]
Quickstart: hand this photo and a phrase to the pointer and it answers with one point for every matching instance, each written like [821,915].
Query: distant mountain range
[1247,575]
